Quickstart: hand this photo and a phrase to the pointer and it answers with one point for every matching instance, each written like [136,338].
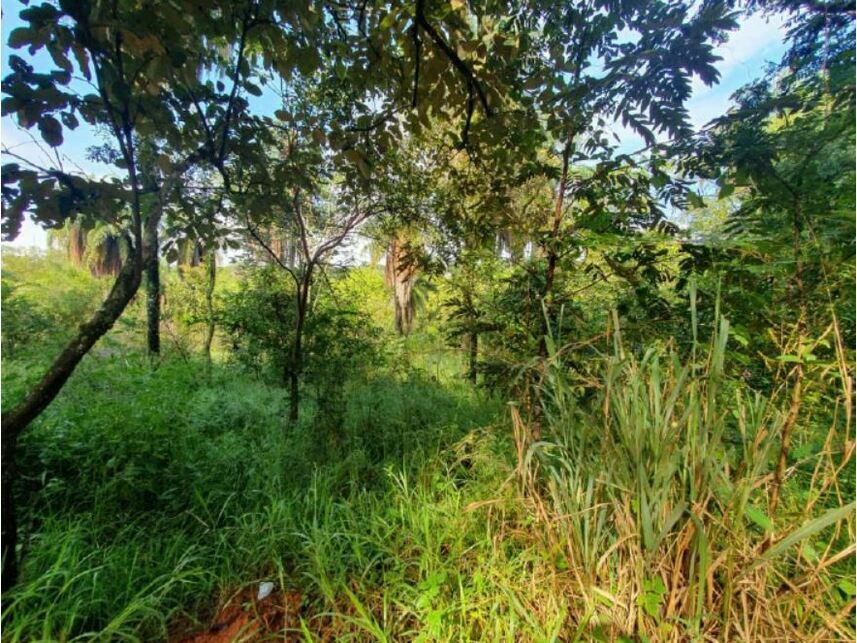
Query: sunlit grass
[641,514]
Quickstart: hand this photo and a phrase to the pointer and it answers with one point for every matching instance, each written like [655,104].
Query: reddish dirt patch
[243,618]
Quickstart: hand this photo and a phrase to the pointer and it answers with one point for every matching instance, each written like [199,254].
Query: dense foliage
[371,301]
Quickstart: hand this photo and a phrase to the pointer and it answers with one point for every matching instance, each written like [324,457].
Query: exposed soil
[243,618]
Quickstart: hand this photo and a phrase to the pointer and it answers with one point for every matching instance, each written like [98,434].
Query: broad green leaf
[808,529]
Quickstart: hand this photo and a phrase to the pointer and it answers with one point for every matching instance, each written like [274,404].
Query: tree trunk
[209,305]
[153,294]
[294,395]
[474,350]
[552,250]
[277,245]
[401,275]
[76,243]
[9,512]
[297,348]
[107,258]
[547,298]
[17,419]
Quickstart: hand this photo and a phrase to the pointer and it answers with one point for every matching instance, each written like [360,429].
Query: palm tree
[400,272]
[97,247]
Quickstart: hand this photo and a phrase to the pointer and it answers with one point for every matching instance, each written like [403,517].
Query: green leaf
[789,358]
[695,200]
[759,517]
[51,131]
[847,587]
[434,619]
[738,337]
[808,529]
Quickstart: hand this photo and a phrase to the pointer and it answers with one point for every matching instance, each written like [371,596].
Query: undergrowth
[403,513]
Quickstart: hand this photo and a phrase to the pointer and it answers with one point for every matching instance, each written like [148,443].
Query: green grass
[149,492]
[415,507]
[405,518]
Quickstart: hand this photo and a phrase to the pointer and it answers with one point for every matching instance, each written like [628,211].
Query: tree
[400,275]
[99,248]
[136,59]
[470,282]
[583,73]
[321,228]
[787,148]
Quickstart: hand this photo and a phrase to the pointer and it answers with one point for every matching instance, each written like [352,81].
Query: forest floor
[156,501]
[244,616]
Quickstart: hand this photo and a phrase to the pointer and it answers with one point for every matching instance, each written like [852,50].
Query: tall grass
[153,494]
[641,515]
[655,501]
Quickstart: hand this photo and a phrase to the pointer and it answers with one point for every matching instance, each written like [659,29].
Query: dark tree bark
[297,348]
[153,295]
[211,267]
[9,513]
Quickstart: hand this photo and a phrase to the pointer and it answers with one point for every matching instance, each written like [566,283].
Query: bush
[339,340]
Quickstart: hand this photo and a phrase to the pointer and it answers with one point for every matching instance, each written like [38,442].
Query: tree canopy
[424,249]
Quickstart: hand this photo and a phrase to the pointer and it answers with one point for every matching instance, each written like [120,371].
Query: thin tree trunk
[552,250]
[9,517]
[294,395]
[209,305]
[153,294]
[547,298]
[297,348]
[474,351]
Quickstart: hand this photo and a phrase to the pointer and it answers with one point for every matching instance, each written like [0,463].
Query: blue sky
[758,41]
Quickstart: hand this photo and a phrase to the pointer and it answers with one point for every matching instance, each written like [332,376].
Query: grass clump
[655,500]
[641,515]
[402,512]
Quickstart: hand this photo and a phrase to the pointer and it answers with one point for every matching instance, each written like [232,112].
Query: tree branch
[273,254]
[453,57]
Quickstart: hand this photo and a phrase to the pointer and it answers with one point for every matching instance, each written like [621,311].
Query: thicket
[423,346]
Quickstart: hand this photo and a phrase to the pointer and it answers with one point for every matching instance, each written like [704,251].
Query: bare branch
[254,233]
